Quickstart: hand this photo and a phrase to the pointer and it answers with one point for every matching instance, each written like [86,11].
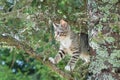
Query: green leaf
[109,39]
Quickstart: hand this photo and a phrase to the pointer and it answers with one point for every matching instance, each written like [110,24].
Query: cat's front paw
[69,68]
[51,60]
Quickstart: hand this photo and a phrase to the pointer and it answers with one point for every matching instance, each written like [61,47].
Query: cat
[76,45]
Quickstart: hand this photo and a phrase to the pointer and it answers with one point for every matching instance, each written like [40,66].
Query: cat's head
[61,30]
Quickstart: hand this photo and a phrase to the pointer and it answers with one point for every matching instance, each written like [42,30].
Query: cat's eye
[62,33]
[57,33]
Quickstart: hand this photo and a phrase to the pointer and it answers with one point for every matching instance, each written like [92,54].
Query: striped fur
[70,43]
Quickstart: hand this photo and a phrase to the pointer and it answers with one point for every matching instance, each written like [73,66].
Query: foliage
[29,21]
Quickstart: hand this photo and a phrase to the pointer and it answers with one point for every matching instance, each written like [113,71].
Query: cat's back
[75,40]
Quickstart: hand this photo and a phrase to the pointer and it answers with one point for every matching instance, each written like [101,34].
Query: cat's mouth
[59,37]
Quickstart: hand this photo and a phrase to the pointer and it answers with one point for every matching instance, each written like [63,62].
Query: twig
[13,13]
[21,45]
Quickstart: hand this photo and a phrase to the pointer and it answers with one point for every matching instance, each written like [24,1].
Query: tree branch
[15,12]
[21,45]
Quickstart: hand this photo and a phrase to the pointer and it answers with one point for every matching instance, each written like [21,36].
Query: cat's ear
[55,25]
[64,24]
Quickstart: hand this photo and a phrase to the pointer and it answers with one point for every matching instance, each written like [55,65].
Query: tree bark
[104,39]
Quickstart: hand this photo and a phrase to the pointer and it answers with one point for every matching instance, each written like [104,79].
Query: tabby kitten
[76,45]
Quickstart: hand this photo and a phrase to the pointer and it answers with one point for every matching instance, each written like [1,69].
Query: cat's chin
[59,39]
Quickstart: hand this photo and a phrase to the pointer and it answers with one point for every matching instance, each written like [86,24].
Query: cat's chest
[66,43]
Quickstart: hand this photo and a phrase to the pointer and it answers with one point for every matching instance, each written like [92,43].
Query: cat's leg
[74,58]
[60,55]
[85,56]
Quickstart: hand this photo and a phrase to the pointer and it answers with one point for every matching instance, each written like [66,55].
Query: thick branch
[20,45]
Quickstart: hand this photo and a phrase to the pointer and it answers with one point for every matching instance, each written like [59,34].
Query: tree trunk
[104,38]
